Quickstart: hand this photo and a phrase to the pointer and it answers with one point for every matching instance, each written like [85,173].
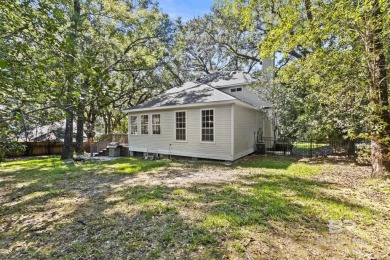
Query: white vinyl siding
[144,124]
[166,143]
[156,124]
[246,124]
[207,125]
[134,125]
[181,126]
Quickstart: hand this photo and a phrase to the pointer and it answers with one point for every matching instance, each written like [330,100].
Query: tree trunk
[68,138]
[80,128]
[90,121]
[379,96]
[105,124]
[376,158]
[67,152]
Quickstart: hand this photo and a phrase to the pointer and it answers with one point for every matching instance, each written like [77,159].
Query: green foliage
[214,42]
[363,154]
[333,76]
[322,84]
[99,58]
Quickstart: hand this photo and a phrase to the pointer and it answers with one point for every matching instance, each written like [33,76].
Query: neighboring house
[215,117]
[54,131]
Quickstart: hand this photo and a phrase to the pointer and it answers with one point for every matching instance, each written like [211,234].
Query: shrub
[363,154]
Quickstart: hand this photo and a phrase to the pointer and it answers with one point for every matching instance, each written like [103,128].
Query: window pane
[144,124]
[156,129]
[180,126]
[134,126]
[207,125]
[156,119]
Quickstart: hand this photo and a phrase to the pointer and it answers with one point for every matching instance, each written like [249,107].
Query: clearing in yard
[260,207]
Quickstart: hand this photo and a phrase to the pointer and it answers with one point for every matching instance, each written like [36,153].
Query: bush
[363,154]
[7,146]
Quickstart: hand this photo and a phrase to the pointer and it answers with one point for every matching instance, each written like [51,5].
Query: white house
[215,117]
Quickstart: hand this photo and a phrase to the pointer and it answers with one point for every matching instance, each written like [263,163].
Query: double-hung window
[144,124]
[156,127]
[181,126]
[207,125]
[134,125]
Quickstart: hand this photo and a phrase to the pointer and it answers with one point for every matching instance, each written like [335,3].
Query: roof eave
[233,85]
[180,106]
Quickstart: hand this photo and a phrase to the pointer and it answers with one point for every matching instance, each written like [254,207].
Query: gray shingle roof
[189,93]
[226,78]
[205,90]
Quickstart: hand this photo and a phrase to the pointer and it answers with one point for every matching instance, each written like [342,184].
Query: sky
[186,9]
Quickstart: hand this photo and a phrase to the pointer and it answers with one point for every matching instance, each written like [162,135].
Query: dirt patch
[260,207]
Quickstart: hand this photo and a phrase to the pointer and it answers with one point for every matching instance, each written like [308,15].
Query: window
[207,125]
[156,128]
[235,89]
[134,125]
[181,126]
[144,124]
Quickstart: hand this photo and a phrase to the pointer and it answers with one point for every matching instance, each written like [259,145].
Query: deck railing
[121,139]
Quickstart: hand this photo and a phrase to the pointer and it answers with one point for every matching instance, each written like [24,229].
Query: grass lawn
[261,207]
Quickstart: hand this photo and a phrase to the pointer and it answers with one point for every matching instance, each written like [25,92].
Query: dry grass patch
[260,207]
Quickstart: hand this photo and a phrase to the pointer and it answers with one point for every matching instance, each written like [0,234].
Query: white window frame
[186,126]
[147,123]
[201,125]
[159,124]
[136,125]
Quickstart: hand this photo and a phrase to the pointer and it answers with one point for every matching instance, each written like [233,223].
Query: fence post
[351,148]
[311,148]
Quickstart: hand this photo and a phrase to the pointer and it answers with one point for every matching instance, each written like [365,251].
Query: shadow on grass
[143,225]
[88,215]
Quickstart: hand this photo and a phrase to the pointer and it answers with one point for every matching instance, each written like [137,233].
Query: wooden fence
[43,148]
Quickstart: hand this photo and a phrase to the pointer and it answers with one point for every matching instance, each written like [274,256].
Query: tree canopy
[334,60]
[80,60]
[86,60]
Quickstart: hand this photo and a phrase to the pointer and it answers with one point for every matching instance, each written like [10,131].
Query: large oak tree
[337,55]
